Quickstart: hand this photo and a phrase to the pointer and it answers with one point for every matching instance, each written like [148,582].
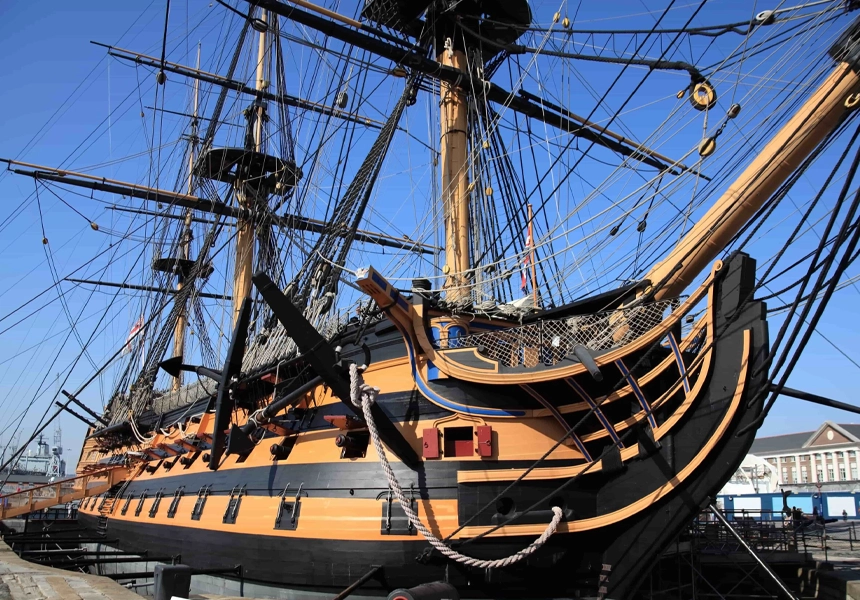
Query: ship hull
[618,517]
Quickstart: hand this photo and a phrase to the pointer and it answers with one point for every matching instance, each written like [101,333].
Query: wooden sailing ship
[614,418]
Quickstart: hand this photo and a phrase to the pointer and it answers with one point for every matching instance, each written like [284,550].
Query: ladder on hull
[51,494]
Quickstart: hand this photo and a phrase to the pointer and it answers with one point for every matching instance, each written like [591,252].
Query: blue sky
[47,55]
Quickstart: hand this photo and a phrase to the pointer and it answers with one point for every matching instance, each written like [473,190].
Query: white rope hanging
[363,396]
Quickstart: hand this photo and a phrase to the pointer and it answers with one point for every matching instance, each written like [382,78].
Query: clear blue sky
[47,54]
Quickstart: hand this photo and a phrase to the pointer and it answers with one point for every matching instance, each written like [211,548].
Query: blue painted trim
[378,280]
[431,395]
[599,413]
[636,391]
[680,360]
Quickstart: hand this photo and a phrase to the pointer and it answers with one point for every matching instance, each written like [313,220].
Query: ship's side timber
[616,517]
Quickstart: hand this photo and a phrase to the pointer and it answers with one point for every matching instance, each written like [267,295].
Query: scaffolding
[727,555]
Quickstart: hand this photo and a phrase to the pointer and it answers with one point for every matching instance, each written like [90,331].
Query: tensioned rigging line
[558,443]
[48,370]
[761,49]
[53,285]
[558,489]
[841,284]
[541,207]
[588,466]
[820,282]
[16,309]
[68,103]
[753,182]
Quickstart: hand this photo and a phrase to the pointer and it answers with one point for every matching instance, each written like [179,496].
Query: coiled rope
[363,396]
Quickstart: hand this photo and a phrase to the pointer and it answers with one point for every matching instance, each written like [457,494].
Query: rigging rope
[363,396]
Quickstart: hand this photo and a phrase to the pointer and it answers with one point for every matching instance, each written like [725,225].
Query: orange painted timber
[460,371]
[648,499]
[320,518]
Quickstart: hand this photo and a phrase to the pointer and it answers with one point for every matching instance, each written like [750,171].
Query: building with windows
[825,459]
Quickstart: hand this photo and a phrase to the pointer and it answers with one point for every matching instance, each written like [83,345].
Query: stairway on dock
[45,496]
[106,506]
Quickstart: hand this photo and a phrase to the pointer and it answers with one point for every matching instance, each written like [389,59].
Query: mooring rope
[363,396]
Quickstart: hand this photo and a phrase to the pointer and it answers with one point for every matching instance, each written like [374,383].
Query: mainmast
[455,180]
[811,125]
[187,235]
[246,193]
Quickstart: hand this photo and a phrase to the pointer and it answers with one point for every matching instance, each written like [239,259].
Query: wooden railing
[59,492]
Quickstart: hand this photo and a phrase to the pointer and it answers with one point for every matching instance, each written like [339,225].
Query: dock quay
[23,580]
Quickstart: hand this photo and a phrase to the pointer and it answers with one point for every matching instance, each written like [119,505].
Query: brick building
[828,455]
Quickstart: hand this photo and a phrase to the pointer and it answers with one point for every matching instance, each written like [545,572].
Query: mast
[245,194]
[812,123]
[455,181]
[187,235]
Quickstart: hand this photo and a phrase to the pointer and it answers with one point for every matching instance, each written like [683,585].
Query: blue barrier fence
[769,507]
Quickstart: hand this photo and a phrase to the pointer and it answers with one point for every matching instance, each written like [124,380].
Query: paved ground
[21,580]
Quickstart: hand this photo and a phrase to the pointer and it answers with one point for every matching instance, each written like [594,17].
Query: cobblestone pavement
[22,580]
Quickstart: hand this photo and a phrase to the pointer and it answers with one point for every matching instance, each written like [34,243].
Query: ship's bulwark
[615,523]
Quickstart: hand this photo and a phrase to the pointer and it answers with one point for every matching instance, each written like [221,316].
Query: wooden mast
[819,116]
[455,180]
[246,195]
[187,236]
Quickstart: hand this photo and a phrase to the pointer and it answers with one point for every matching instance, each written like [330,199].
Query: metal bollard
[437,590]
[172,580]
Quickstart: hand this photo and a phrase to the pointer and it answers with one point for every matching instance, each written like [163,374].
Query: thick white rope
[363,396]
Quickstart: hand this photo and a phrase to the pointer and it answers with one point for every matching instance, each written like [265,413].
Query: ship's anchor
[227,377]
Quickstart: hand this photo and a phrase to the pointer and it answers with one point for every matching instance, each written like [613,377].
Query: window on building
[830,474]
[793,475]
[819,475]
[842,475]
[804,474]
[804,457]
[784,474]
[852,454]
[839,455]
[828,454]
[818,455]
[853,471]
[789,459]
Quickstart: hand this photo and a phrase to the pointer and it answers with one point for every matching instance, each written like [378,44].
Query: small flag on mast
[524,282]
[135,330]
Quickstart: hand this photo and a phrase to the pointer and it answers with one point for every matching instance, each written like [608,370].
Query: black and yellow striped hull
[673,454]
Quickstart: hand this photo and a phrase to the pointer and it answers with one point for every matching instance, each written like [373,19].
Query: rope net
[549,342]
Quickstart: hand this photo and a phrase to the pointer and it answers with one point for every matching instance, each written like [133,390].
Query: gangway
[84,486]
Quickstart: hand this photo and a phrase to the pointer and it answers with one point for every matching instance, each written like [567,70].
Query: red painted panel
[464,448]
[431,443]
[485,440]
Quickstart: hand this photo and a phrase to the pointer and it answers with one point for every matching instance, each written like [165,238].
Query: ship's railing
[47,495]
[548,342]
[278,343]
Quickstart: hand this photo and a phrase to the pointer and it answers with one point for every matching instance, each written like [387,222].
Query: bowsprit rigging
[486,239]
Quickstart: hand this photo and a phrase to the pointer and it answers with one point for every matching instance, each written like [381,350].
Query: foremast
[455,179]
[187,235]
[248,193]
